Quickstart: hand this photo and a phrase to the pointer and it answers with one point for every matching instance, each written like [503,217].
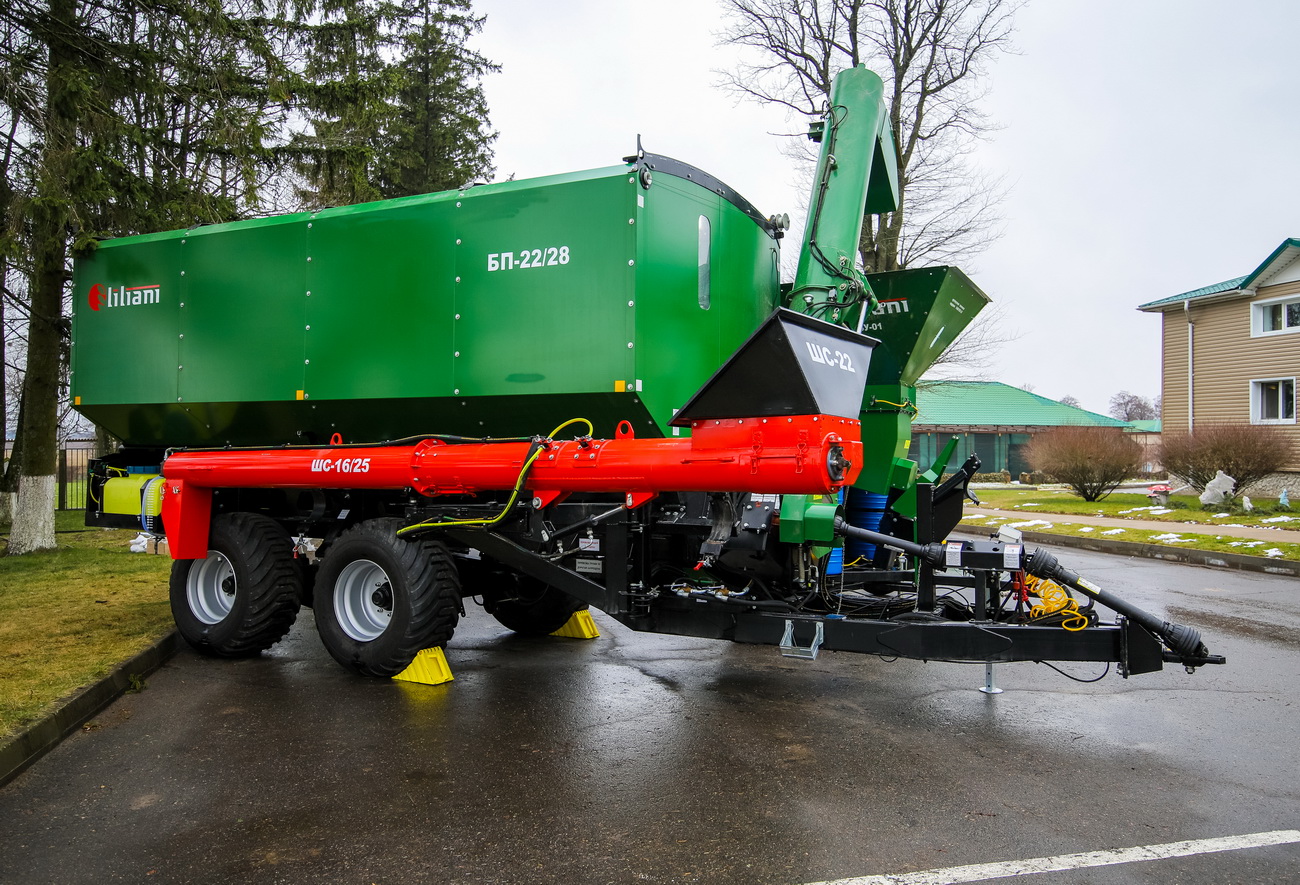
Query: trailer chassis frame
[917,636]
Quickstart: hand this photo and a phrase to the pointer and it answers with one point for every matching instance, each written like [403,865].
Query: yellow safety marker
[428,668]
[579,626]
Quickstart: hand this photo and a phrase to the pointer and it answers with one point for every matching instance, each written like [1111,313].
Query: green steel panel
[919,313]
[542,284]
[679,342]
[125,352]
[378,300]
[243,315]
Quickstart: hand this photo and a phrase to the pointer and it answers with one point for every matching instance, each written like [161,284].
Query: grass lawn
[1182,509]
[1171,538]
[69,616]
[1136,505]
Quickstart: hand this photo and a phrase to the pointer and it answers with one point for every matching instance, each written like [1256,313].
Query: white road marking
[985,871]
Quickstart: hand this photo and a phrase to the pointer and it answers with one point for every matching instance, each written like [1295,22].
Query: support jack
[989,687]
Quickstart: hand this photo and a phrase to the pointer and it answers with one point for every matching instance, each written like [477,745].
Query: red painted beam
[789,455]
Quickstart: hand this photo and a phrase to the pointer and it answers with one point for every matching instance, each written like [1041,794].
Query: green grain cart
[349,409]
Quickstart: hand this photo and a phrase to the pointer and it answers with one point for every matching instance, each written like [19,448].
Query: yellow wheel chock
[579,626]
[429,668]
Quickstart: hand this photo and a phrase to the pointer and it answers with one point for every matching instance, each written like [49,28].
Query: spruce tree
[120,116]
[394,100]
[440,138]
[345,96]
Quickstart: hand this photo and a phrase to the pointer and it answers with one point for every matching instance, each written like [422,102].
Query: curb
[1158,551]
[24,748]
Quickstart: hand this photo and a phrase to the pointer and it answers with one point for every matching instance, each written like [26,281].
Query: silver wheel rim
[363,600]
[210,588]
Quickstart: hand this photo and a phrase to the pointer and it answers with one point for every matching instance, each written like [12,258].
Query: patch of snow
[1220,515]
[1279,519]
[1032,522]
[1113,532]
[1170,538]
[1156,511]
[1087,529]
[1272,551]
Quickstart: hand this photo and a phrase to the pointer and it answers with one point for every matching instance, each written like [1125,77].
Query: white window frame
[705,290]
[1256,394]
[1257,316]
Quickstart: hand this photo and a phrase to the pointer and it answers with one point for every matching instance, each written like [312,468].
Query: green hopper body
[498,310]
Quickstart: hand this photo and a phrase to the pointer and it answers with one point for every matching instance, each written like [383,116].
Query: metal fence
[74,465]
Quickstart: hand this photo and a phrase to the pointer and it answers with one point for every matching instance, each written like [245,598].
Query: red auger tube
[808,454]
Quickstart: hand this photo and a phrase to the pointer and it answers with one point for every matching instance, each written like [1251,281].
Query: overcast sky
[1149,145]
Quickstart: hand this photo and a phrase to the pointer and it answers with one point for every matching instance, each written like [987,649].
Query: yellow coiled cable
[1056,600]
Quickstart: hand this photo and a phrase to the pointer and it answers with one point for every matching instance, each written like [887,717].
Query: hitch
[1185,645]
[1182,643]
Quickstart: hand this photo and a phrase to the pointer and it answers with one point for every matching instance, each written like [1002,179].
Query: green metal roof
[1287,245]
[1152,426]
[1217,288]
[1291,245]
[994,404]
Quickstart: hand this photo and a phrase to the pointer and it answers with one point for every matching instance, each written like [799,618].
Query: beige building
[1231,351]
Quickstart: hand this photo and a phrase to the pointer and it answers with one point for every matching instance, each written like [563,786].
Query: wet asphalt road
[638,758]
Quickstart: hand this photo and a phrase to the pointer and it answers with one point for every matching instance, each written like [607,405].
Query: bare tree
[1246,452]
[1092,461]
[1070,400]
[932,55]
[1130,407]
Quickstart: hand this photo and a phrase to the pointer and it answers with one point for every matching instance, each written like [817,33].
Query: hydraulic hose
[931,553]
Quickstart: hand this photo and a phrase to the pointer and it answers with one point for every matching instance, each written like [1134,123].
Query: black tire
[529,607]
[380,599]
[243,597]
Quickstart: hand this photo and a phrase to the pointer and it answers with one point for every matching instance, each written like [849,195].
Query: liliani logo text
[124,296]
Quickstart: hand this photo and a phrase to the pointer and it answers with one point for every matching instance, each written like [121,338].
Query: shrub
[1092,461]
[1246,452]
